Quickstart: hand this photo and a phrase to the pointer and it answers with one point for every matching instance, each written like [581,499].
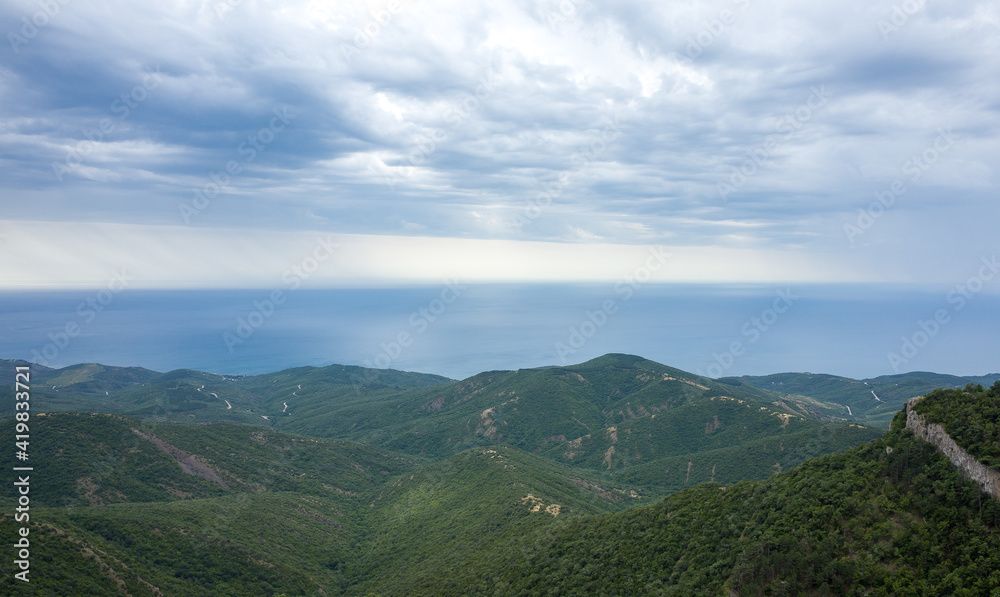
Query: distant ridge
[619,416]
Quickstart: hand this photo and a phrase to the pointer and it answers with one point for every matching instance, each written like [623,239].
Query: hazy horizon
[831,329]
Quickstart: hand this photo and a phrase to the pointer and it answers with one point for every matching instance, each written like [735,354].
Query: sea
[858,331]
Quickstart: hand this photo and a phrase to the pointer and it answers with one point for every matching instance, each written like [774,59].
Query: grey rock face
[982,475]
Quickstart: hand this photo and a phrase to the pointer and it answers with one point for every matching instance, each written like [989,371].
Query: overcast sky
[213,143]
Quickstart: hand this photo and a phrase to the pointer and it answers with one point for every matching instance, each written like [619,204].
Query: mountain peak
[616,359]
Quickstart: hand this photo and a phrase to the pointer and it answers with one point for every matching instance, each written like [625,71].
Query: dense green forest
[615,477]
[971,416]
[620,417]
[268,512]
[888,518]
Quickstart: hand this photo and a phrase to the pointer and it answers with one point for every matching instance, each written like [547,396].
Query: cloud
[453,119]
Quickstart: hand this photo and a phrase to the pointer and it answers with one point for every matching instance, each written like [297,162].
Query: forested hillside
[971,416]
[534,482]
[892,517]
[620,417]
[238,510]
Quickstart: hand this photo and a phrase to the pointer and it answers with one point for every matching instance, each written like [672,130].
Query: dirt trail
[189,463]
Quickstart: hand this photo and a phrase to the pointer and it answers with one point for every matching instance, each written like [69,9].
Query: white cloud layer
[752,132]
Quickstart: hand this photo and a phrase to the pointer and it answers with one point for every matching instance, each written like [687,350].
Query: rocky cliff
[985,477]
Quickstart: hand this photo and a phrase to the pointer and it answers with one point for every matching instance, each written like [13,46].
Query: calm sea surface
[845,330]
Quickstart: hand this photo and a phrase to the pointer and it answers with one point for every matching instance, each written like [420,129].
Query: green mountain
[619,418]
[189,396]
[128,506]
[466,510]
[970,416]
[106,459]
[118,505]
[872,401]
[893,517]
[71,387]
[122,505]
[537,481]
